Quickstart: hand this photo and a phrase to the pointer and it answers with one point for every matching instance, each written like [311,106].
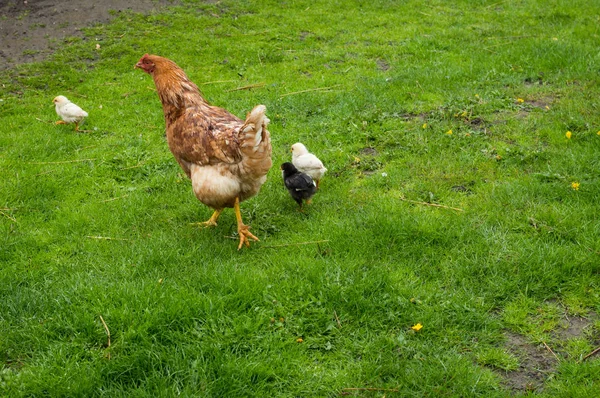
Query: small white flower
[384,174]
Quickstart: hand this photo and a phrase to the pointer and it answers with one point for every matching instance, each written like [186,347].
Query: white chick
[68,111]
[307,163]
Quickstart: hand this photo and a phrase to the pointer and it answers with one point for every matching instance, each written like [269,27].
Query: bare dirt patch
[536,364]
[539,361]
[383,65]
[542,103]
[30,30]
[464,188]
[368,151]
[574,327]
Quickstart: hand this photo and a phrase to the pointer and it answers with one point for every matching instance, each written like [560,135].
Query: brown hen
[226,158]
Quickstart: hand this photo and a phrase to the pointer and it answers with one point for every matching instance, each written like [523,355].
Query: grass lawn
[455,199]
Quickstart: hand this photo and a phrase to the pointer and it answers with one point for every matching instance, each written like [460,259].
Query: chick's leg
[243,230]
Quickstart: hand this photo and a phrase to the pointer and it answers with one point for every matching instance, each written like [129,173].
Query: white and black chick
[300,186]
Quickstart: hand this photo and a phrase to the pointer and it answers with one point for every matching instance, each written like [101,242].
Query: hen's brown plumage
[226,158]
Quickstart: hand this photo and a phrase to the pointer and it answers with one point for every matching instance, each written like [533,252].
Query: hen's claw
[243,231]
[212,221]
[204,224]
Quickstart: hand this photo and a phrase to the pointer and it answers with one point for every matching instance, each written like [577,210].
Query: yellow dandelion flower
[417,327]
[299,340]
[568,134]
[424,125]
[575,185]
[520,100]
[598,133]
[476,95]
[449,132]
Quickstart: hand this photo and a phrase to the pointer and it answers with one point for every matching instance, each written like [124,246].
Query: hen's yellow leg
[212,221]
[60,122]
[243,230]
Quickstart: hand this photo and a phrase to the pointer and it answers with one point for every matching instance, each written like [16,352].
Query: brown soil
[537,363]
[30,30]
[573,327]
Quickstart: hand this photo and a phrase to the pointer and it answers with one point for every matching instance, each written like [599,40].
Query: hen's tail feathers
[254,127]
[256,140]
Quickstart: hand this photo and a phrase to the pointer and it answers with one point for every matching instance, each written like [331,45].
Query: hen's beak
[138,65]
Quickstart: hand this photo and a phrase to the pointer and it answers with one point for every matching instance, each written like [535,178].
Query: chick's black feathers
[300,186]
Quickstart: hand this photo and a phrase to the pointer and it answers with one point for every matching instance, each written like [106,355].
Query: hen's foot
[212,221]
[245,234]
[60,122]
[243,229]
[205,224]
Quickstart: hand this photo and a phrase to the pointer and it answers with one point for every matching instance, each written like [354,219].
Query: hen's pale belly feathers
[217,187]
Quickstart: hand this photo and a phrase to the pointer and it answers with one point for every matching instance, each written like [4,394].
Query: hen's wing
[205,135]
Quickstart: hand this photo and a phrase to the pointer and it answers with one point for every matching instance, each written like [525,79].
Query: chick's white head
[299,149]
[60,100]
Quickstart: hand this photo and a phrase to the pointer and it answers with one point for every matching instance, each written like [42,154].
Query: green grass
[383,83]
